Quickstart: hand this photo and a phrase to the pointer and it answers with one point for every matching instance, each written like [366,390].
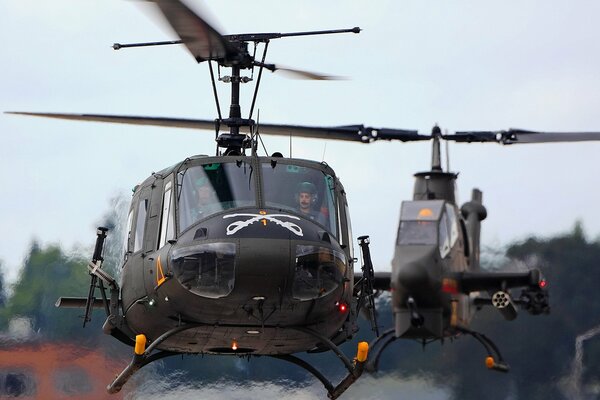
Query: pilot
[207,200]
[306,196]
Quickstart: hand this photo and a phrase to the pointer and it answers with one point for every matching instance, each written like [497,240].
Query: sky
[465,65]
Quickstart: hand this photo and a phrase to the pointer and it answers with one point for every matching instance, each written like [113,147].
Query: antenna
[258,134]
[447,153]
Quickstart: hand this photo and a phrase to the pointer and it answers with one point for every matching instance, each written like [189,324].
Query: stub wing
[485,281]
[533,298]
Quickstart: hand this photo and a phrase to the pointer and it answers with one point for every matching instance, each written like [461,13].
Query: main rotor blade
[201,39]
[298,73]
[354,133]
[126,119]
[521,136]
[301,74]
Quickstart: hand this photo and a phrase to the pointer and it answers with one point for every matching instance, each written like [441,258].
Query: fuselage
[220,244]
[432,244]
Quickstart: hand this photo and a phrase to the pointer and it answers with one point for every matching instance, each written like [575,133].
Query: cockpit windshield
[210,188]
[306,191]
[419,222]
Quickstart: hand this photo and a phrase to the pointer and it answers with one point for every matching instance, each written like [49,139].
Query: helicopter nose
[414,269]
[412,276]
[222,269]
[263,266]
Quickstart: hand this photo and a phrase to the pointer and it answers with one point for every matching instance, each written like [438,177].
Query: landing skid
[380,343]
[385,339]
[143,357]
[492,350]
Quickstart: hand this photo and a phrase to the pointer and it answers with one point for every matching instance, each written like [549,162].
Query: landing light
[253,332]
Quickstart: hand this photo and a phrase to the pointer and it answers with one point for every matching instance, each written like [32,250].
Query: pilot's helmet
[306,187]
[202,183]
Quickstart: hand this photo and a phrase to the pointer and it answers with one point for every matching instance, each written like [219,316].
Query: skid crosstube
[144,356]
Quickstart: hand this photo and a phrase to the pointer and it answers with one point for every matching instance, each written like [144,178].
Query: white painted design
[238,225]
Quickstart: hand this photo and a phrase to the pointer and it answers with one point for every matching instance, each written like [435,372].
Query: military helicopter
[436,279]
[232,254]
[249,273]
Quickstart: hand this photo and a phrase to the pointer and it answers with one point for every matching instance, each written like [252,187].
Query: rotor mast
[234,142]
[435,184]
[230,51]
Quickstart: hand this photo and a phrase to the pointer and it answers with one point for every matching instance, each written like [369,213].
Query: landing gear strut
[492,350]
[143,356]
[493,361]
[385,339]
[355,369]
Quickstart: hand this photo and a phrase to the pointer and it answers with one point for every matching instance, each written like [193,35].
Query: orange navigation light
[425,213]
[489,362]
[234,345]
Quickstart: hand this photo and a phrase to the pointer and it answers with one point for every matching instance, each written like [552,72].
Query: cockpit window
[421,210]
[419,222]
[305,191]
[417,232]
[452,224]
[426,223]
[444,241]
[211,188]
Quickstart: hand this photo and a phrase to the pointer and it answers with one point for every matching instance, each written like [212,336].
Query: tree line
[540,350]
